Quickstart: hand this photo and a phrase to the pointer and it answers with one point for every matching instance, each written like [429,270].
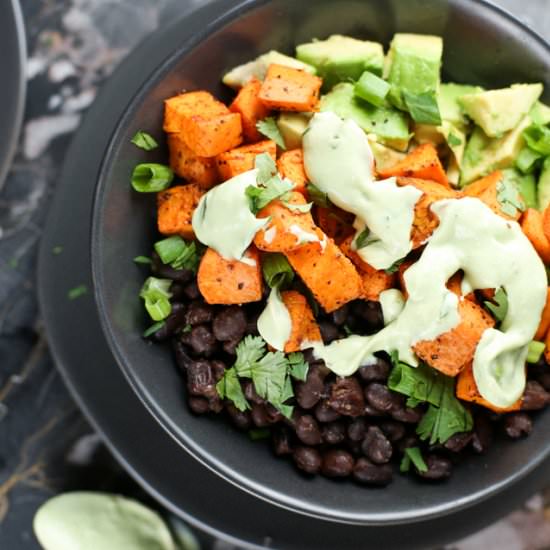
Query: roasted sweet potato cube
[251,109]
[304,326]
[186,164]
[208,136]
[182,106]
[450,352]
[291,166]
[466,389]
[422,163]
[286,228]
[336,223]
[289,89]
[239,160]
[228,282]
[175,209]
[544,324]
[329,275]
[532,226]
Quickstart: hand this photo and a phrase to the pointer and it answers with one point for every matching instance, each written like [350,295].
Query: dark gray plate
[12,91]
[143,447]
[482,46]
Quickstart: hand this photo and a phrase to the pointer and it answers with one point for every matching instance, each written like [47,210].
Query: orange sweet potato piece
[374,281]
[532,226]
[304,326]
[291,166]
[485,189]
[186,164]
[239,160]
[336,223]
[208,136]
[251,109]
[547,347]
[401,276]
[182,106]
[175,208]
[544,324]
[290,89]
[425,221]
[228,282]
[450,352]
[546,222]
[466,389]
[422,163]
[277,235]
[329,275]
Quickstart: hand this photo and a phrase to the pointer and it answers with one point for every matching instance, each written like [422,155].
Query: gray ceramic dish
[483,45]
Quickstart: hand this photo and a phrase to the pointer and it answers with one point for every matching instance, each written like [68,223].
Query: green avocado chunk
[384,157]
[387,123]
[540,113]
[240,75]
[449,106]
[499,111]
[413,66]
[292,126]
[543,187]
[342,58]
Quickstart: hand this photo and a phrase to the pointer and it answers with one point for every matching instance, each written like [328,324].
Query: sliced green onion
[277,271]
[156,295]
[423,107]
[169,249]
[142,260]
[151,177]
[77,291]
[153,328]
[527,160]
[144,141]
[317,196]
[372,88]
[535,350]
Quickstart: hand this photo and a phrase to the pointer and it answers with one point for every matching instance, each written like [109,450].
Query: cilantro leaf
[144,141]
[269,375]
[266,167]
[317,196]
[268,127]
[229,387]
[423,108]
[302,208]
[249,351]
[453,140]
[498,306]
[414,455]
[420,384]
[298,366]
[509,198]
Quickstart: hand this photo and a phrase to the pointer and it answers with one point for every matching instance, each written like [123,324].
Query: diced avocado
[413,65]
[484,154]
[449,107]
[240,75]
[437,135]
[526,185]
[498,111]
[292,126]
[543,186]
[385,157]
[385,122]
[540,113]
[428,133]
[342,58]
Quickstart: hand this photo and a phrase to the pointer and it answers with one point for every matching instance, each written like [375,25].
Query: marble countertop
[46,446]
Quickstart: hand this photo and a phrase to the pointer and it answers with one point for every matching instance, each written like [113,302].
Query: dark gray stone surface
[46,446]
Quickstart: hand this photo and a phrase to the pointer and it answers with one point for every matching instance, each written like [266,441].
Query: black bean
[273,415]
[251,394]
[309,392]
[394,430]
[329,331]
[340,316]
[199,313]
[183,359]
[483,433]
[307,430]
[334,433]
[230,347]
[337,463]
[199,405]
[459,441]
[202,378]
[376,446]
[323,413]
[346,397]
[372,474]
[177,291]
[535,397]
[230,324]
[544,380]
[281,440]
[357,429]
[260,416]
[241,419]
[354,447]
[252,324]
[370,313]
[372,412]
[517,425]
[439,468]
[201,340]
[167,272]
[378,372]
[307,459]
[407,415]
[174,321]
[381,398]
[192,291]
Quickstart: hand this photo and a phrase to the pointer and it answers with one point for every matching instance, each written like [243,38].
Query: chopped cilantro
[423,107]
[268,127]
[77,291]
[298,366]
[144,141]
[361,239]
[498,306]
[302,208]
[509,198]
[229,387]
[453,140]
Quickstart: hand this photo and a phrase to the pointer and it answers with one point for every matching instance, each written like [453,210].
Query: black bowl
[484,46]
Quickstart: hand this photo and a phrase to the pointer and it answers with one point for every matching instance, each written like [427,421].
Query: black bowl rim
[223,17]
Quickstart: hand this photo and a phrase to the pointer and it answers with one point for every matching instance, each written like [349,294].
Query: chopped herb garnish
[277,271]
[534,351]
[156,294]
[178,253]
[268,127]
[498,306]
[258,434]
[57,250]
[298,366]
[537,137]
[317,196]
[394,268]
[302,208]
[509,198]
[229,387]
[266,167]
[453,140]
[144,141]
[151,177]
[528,160]
[423,108]
[77,291]
[420,384]
[413,455]
[142,260]
[269,187]
[153,328]
[372,88]
[187,328]
[362,239]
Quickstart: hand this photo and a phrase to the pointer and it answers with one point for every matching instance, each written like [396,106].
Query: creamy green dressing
[339,161]
[392,302]
[274,323]
[223,220]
